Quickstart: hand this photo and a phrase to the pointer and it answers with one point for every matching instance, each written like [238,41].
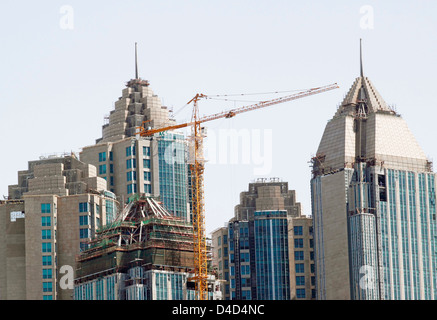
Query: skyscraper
[57,205]
[265,252]
[373,204]
[131,164]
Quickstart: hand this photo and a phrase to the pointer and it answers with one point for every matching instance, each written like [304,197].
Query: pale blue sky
[57,85]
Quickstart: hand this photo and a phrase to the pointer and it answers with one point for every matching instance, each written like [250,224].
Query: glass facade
[409,237]
[173,173]
[272,263]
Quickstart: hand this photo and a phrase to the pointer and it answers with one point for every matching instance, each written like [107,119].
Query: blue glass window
[300,280]
[300,268]
[147,188]
[46,247]
[83,207]
[83,233]
[102,169]
[146,151]
[83,220]
[45,221]
[298,243]
[47,287]
[298,255]
[300,293]
[45,207]
[46,260]
[47,273]
[46,234]
[146,163]
[298,230]
[147,176]
[102,156]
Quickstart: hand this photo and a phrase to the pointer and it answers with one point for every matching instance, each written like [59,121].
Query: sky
[64,64]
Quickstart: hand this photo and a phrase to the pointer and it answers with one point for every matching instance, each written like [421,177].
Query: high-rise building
[145,254]
[373,204]
[156,165]
[269,246]
[57,205]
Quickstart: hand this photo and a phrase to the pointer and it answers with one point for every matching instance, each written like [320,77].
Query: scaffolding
[143,233]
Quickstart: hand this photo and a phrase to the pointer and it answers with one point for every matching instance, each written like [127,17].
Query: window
[83,246]
[45,221]
[300,293]
[45,207]
[298,243]
[83,220]
[300,280]
[128,152]
[111,168]
[83,207]
[46,260]
[46,247]
[313,281]
[312,268]
[311,243]
[298,231]
[47,297]
[245,270]
[111,157]
[245,295]
[311,255]
[298,255]
[83,233]
[300,268]
[102,169]
[111,180]
[47,273]
[147,176]
[47,287]
[146,151]
[46,234]
[102,156]
[245,282]
[129,176]
[128,164]
[244,256]
[146,163]
[132,188]
[148,188]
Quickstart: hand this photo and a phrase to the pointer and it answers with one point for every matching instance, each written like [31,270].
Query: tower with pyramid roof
[132,165]
[373,204]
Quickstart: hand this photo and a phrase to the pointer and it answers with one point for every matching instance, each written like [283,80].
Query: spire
[361,61]
[136,62]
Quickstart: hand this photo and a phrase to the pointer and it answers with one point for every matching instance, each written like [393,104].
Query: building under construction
[145,254]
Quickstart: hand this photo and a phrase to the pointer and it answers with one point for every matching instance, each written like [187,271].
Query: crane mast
[197,167]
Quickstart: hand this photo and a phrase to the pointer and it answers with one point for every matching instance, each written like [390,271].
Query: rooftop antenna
[361,60]
[136,62]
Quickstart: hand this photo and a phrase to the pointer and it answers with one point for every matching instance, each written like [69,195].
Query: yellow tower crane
[197,168]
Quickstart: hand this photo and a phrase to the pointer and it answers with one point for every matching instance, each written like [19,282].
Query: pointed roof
[385,136]
[363,91]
